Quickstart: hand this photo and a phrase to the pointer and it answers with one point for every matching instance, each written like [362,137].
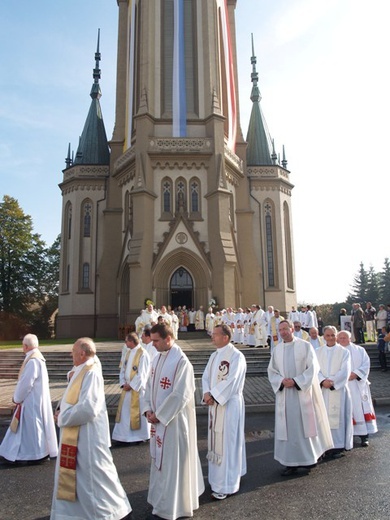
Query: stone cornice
[262,172]
[91,171]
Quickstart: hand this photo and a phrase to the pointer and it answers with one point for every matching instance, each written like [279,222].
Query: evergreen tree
[373,290]
[360,287]
[384,283]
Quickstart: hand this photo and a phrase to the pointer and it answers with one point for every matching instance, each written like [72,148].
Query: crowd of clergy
[322,399]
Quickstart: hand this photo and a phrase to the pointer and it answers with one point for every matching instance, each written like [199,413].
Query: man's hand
[151,417]
[208,399]
[288,382]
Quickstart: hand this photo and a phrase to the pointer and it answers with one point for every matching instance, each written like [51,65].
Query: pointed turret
[284,160]
[258,138]
[93,146]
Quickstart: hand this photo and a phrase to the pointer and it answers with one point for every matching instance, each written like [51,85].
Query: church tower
[176,215]
[270,189]
[83,192]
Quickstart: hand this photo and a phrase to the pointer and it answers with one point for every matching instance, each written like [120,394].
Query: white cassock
[335,364]
[209,322]
[100,495]
[175,487]
[199,320]
[122,430]
[36,436]
[316,343]
[238,333]
[167,318]
[302,432]
[364,420]
[175,325]
[224,477]
[152,352]
[149,318]
[260,328]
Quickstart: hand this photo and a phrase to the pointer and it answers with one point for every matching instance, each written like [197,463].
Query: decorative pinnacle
[255,95]
[274,157]
[95,91]
[284,160]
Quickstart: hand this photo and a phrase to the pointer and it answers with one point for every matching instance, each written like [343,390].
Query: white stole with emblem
[217,411]
[163,378]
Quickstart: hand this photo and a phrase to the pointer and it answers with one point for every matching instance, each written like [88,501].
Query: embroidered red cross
[152,431]
[68,456]
[165,383]
[159,441]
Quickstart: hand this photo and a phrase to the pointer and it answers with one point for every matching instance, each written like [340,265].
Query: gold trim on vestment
[68,450]
[135,412]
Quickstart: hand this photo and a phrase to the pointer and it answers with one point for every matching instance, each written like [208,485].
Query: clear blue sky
[324,79]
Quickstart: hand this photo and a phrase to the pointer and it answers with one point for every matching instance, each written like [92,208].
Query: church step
[59,363]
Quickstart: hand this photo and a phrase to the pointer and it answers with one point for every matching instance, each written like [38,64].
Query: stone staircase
[59,363]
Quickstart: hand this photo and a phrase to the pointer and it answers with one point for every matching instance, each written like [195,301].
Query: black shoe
[288,471]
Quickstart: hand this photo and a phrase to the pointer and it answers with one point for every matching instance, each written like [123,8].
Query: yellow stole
[18,410]
[68,451]
[135,413]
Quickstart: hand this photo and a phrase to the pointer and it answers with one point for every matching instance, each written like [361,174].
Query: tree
[360,287]
[28,270]
[384,283]
[373,291]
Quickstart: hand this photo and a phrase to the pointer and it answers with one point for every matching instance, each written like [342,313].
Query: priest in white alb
[86,481]
[223,385]
[363,413]
[31,435]
[130,424]
[335,369]
[302,432]
[176,479]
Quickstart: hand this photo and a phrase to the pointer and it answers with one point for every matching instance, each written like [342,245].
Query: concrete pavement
[258,393]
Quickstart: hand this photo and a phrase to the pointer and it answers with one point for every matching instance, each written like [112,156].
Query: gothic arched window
[195,209]
[181,195]
[269,244]
[166,198]
[87,218]
[85,277]
[288,243]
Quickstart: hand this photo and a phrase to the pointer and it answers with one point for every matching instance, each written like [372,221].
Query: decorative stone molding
[180,144]
[86,171]
[82,187]
[174,164]
[266,172]
[233,159]
[181,238]
[271,187]
[126,178]
[124,160]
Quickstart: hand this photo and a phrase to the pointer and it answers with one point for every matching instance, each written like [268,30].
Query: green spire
[258,138]
[93,147]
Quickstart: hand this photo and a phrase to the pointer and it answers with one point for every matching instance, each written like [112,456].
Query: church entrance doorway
[181,289]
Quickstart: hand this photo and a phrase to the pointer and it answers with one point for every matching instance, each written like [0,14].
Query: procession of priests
[31,435]
[322,399]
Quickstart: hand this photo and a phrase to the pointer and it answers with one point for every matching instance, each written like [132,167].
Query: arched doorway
[181,288]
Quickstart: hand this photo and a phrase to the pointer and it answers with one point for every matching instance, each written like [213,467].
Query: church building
[178,207]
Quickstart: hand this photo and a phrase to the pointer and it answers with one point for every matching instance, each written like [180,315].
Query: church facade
[177,207]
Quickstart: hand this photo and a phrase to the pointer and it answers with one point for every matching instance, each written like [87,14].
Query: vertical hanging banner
[131,79]
[229,70]
[179,102]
